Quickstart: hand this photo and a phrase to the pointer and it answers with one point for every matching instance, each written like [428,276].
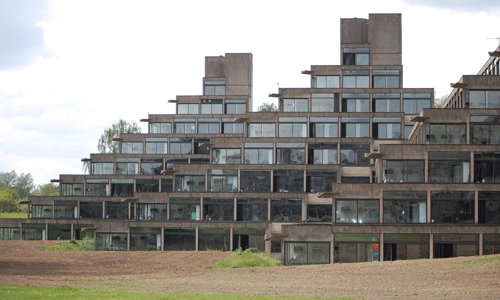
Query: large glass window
[354,154]
[65,209]
[449,167]
[386,128]
[319,213]
[42,211]
[322,154]
[324,127]
[118,210]
[236,107]
[357,211]
[386,102]
[184,126]
[226,156]
[295,105]
[386,79]
[320,180]
[223,181]
[170,162]
[156,146]
[217,209]
[187,109]
[487,167]
[255,181]
[122,187]
[160,128]
[292,127]
[211,106]
[326,81]
[405,206]
[7,233]
[185,209]
[252,210]
[324,102]
[356,56]
[127,166]
[484,99]
[209,126]
[166,185]
[103,168]
[485,130]
[59,232]
[455,244]
[414,103]
[34,232]
[229,126]
[151,166]
[71,189]
[215,88]
[179,239]
[355,102]
[262,130]
[111,241]
[402,246]
[145,238]
[189,183]
[214,239]
[259,153]
[91,209]
[132,147]
[446,133]
[355,127]
[403,171]
[151,211]
[290,153]
[352,79]
[180,146]
[489,207]
[286,210]
[452,207]
[201,146]
[97,188]
[356,248]
[307,253]
[147,185]
[491,241]
[288,181]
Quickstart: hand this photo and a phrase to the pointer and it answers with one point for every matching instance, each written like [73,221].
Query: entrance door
[390,252]
[241,241]
[443,250]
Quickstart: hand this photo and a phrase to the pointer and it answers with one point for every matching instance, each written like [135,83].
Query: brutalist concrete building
[353,168]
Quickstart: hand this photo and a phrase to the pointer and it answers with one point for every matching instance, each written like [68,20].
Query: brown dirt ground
[456,278]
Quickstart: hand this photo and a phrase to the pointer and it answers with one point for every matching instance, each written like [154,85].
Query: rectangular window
[145,238]
[208,126]
[211,106]
[322,154]
[320,180]
[484,130]
[180,239]
[489,207]
[223,181]
[387,128]
[91,209]
[355,127]
[151,166]
[111,242]
[166,185]
[71,189]
[59,232]
[386,79]
[356,56]
[326,81]
[307,253]
[402,246]
[185,126]
[356,79]
[484,99]
[255,181]
[132,147]
[7,233]
[295,105]
[286,210]
[160,128]
[355,102]
[452,207]
[217,209]
[201,146]
[215,88]
[449,167]
[118,210]
[292,127]
[251,210]
[185,209]
[324,102]
[42,211]
[156,146]
[288,181]
[127,166]
[403,170]
[487,167]
[65,209]
[187,109]
[259,153]
[147,185]
[34,232]
[319,213]
[386,102]
[180,146]
[446,134]
[354,154]
[324,127]
[262,130]
[103,168]
[229,126]
[97,188]
[357,211]
[189,183]
[170,162]
[236,107]
[414,103]
[226,156]
[122,187]
[290,153]
[214,239]
[405,206]
[151,212]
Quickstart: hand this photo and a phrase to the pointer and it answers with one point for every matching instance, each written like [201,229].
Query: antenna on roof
[497,38]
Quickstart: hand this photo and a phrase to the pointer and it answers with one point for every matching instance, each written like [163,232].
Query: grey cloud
[21,41]
[486,6]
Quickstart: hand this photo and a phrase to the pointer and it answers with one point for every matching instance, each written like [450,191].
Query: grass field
[13,215]
[9,292]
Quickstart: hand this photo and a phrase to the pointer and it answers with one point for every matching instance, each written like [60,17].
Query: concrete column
[231,239]
[381,247]
[481,244]
[78,210]
[471,164]
[104,209]
[128,239]
[269,211]
[428,209]
[46,231]
[72,232]
[272,176]
[129,210]
[201,210]
[162,238]
[381,210]
[476,207]
[431,246]
[235,209]
[196,239]
[332,249]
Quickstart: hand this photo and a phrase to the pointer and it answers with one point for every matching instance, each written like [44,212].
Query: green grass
[493,260]
[246,259]
[86,244]
[13,215]
[10,292]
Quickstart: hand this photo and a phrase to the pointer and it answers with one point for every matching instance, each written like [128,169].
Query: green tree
[106,143]
[9,200]
[439,101]
[48,189]
[23,184]
[267,107]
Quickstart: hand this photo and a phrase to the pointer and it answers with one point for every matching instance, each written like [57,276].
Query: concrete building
[353,168]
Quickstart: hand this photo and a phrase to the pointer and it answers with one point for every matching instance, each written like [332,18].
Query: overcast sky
[69,69]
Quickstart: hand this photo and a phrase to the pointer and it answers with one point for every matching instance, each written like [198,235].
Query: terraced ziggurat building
[353,168]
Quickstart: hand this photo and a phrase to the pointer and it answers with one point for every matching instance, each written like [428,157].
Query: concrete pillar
[235,209]
[46,231]
[231,231]
[104,209]
[162,238]
[428,209]
[476,207]
[128,239]
[72,232]
[431,246]
[481,244]
[332,249]
[196,239]
[381,247]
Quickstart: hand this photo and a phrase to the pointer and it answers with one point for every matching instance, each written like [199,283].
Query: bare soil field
[454,278]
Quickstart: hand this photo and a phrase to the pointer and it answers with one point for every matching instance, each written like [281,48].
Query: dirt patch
[181,271]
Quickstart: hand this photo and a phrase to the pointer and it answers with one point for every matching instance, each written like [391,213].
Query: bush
[249,258]
[86,244]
